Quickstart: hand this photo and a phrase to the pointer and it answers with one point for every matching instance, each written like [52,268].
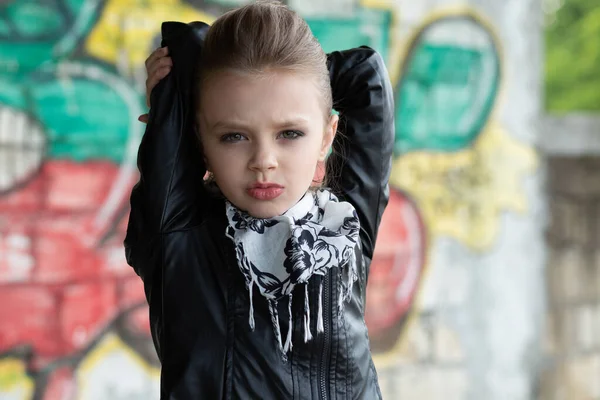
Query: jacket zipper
[229,313]
[327,319]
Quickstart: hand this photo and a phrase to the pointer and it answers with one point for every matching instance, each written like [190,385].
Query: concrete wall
[457,290]
[572,367]
[572,345]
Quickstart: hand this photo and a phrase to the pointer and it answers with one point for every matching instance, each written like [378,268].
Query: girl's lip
[265,193]
[265,185]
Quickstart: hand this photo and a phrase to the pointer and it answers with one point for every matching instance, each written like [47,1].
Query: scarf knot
[277,254]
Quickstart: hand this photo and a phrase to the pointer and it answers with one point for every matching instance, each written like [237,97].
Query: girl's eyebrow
[237,125]
[297,121]
[228,125]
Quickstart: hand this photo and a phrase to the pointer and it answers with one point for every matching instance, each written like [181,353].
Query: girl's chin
[264,211]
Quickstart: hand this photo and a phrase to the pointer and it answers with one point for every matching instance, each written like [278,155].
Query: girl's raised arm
[170,194]
[362,157]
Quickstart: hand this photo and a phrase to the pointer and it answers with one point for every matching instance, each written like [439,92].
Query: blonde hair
[264,36]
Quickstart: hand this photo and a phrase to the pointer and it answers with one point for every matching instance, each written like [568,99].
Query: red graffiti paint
[396,270]
[63,275]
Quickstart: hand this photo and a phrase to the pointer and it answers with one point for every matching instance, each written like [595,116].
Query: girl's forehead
[277,96]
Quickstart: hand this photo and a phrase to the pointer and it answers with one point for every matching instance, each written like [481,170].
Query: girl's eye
[232,137]
[291,134]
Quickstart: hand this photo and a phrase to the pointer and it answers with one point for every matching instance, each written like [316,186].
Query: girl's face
[263,136]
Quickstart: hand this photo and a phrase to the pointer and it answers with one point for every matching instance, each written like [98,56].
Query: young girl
[256,275]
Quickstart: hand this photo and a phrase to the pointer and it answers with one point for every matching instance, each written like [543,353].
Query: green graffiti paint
[88,112]
[12,93]
[33,32]
[447,87]
[368,27]
[83,119]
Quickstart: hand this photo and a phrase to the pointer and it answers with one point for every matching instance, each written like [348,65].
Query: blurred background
[486,279]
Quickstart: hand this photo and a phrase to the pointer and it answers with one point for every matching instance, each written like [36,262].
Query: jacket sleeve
[170,194]
[361,161]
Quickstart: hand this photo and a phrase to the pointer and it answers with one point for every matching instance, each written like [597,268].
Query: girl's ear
[328,136]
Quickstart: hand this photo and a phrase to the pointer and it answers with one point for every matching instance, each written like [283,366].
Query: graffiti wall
[465,124]
[447,275]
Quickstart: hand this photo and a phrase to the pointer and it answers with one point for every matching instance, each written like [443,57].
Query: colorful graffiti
[453,160]
[451,145]
[72,81]
[68,144]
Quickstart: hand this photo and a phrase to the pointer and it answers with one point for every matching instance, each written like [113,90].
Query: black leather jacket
[198,300]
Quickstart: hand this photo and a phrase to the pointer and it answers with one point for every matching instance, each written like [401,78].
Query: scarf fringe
[284,348]
[320,313]
[251,317]
[276,327]
[307,334]
[288,342]
[347,278]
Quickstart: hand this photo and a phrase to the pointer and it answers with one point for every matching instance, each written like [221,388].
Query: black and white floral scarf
[280,253]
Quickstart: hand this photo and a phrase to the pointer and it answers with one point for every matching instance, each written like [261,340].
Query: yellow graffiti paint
[126,28]
[95,370]
[14,381]
[462,194]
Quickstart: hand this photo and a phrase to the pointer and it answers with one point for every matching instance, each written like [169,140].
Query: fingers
[158,65]
[143,118]
[153,80]
[156,54]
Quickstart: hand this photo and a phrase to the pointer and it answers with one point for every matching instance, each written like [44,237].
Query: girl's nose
[264,158]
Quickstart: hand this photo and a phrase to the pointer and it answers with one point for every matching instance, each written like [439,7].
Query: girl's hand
[158,65]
